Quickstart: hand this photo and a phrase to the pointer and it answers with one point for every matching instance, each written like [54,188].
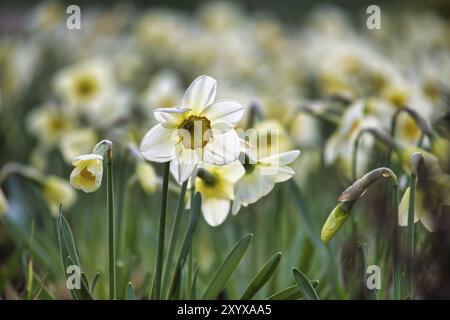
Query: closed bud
[335,220]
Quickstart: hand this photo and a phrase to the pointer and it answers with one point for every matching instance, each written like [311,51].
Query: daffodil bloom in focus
[200,129]
[215,184]
[3,203]
[261,176]
[88,172]
[57,191]
[146,176]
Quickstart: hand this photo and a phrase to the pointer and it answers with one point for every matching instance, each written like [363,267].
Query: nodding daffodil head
[146,176]
[58,192]
[3,203]
[335,220]
[88,172]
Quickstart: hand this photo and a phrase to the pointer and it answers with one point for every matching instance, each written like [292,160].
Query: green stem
[156,290]
[111,229]
[174,235]
[395,248]
[410,236]
[355,156]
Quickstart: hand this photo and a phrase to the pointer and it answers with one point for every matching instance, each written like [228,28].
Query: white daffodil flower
[88,172]
[215,184]
[200,129]
[260,178]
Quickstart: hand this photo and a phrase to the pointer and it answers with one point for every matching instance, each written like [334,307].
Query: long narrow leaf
[291,293]
[227,268]
[262,276]
[304,285]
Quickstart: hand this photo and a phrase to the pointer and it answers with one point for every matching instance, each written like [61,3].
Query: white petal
[236,206]
[232,172]
[253,186]
[85,157]
[284,174]
[224,114]
[403,210]
[158,144]
[200,94]
[222,148]
[170,117]
[184,164]
[215,211]
[281,159]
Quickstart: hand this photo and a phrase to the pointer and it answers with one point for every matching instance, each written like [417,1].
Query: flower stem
[111,229]
[410,236]
[156,290]
[395,248]
[174,234]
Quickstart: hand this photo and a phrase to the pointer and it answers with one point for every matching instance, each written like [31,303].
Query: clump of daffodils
[198,130]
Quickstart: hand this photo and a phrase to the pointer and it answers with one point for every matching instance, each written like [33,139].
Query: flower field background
[322,141]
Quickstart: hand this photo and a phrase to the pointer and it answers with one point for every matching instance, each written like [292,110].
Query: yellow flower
[88,172]
[58,191]
[3,203]
[146,176]
[215,184]
[79,141]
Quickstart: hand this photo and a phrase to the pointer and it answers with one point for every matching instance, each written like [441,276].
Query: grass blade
[304,285]
[227,268]
[262,276]
[194,284]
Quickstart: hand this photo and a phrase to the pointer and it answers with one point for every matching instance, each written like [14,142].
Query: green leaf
[291,293]
[66,241]
[194,284]
[262,277]
[129,294]
[304,285]
[227,268]
[94,282]
[82,293]
[186,246]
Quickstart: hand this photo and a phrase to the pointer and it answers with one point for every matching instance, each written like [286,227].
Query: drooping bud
[336,220]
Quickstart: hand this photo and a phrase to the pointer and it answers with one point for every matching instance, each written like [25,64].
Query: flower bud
[335,220]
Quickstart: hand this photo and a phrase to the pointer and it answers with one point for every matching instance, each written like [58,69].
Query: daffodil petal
[184,164]
[170,118]
[284,174]
[222,148]
[224,114]
[281,159]
[200,94]
[158,144]
[403,210]
[232,172]
[215,211]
